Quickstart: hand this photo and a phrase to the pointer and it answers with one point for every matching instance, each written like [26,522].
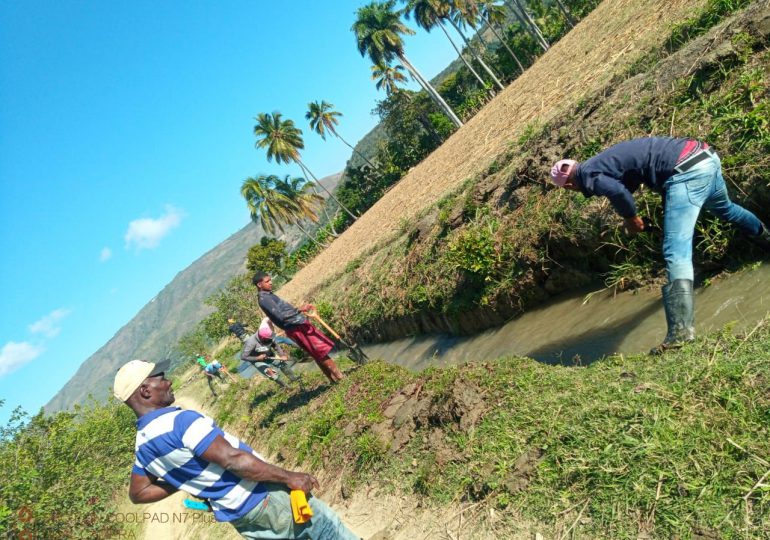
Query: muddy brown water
[572,329]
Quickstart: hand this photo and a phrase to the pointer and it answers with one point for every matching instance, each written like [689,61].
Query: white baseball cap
[131,376]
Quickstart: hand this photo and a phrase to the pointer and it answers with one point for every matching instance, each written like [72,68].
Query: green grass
[663,445]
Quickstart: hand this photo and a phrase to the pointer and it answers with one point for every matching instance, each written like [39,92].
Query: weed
[473,250]
[589,149]
[353,265]
[369,451]
[530,132]
[715,11]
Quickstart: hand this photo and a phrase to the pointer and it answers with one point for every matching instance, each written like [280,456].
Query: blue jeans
[285,341]
[272,519]
[686,193]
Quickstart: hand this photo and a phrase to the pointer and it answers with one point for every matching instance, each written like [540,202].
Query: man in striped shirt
[184,450]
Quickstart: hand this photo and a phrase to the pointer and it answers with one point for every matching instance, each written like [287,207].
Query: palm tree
[323,118]
[429,14]
[307,202]
[388,77]
[275,206]
[466,12]
[296,190]
[493,16]
[378,30]
[283,141]
[271,208]
[528,24]
[567,14]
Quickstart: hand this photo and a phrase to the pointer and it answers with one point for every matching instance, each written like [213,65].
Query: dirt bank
[506,242]
[371,511]
[579,65]
[630,447]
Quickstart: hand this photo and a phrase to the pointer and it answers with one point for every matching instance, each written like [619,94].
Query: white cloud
[105,255]
[14,355]
[49,325]
[146,233]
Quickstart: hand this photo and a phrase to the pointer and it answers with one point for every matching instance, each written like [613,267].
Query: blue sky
[125,133]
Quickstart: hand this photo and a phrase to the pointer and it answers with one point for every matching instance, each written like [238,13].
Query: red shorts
[311,339]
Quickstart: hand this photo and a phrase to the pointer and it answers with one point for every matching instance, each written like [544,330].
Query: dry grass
[606,41]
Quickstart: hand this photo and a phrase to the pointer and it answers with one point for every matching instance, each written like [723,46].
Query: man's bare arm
[248,466]
[146,489]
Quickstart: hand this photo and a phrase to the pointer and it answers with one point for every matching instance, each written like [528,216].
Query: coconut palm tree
[493,15]
[466,13]
[283,141]
[528,24]
[388,77]
[378,29]
[296,189]
[271,208]
[275,205]
[323,118]
[429,14]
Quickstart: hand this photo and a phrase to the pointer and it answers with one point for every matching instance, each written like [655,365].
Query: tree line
[499,40]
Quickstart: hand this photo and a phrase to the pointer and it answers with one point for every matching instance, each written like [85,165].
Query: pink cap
[265,333]
[561,170]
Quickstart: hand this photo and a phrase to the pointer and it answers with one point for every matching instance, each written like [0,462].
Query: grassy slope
[672,447]
[585,65]
[503,242]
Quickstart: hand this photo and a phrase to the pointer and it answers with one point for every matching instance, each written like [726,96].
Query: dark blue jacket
[619,171]
[282,313]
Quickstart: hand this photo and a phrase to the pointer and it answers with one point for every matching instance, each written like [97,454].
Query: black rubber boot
[762,239]
[680,315]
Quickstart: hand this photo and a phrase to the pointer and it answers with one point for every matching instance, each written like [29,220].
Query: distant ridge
[173,312]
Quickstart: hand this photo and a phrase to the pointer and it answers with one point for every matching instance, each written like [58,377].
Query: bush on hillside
[60,472]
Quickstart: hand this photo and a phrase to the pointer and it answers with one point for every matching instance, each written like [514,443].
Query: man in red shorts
[293,321]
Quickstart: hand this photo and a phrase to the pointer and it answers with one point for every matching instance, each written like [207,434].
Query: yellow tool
[299,506]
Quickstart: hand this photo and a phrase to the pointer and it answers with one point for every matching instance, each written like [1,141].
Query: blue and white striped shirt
[169,445]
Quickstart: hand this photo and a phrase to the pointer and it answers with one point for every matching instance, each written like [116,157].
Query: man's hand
[305,482]
[633,225]
[304,308]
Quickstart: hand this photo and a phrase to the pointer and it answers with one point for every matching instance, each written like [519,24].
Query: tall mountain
[172,313]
